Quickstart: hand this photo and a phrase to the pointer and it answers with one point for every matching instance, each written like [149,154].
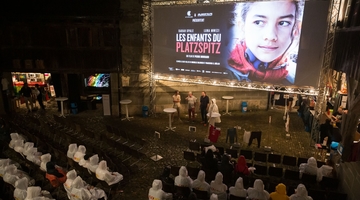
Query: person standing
[213,109]
[191,106]
[39,96]
[5,93]
[204,106]
[25,91]
[176,99]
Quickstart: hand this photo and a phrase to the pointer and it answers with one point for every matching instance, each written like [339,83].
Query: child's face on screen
[268,28]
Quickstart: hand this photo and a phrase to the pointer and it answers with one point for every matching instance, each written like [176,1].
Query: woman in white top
[183,180]
[257,192]
[218,187]
[213,109]
[200,183]
[238,190]
[300,193]
[309,168]
[156,192]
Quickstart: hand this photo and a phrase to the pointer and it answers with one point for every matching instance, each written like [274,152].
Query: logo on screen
[188,14]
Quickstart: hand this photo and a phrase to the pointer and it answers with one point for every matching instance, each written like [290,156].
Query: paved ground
[172,144]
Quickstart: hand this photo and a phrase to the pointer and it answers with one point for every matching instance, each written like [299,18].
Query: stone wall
[349,175]
[256,99]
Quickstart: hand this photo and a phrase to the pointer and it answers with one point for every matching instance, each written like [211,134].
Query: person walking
[39,96]
[25,92]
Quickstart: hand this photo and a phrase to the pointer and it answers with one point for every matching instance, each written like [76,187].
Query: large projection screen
[277,42]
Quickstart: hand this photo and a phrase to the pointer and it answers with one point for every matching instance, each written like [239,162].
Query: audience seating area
[271,168]
[122,151]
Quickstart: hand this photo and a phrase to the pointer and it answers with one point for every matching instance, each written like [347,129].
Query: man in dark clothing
[204,106]
[26,93]
[40,96]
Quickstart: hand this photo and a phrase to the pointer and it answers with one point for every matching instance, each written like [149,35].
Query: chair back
[260,157]
[274,158]
[232,197]
[232,152]
[201,195]
[183,192]
[329,183]
[291,175]
[247,154]
[276,172]
[189,155]
[289,160]
[194,146]
[260,170]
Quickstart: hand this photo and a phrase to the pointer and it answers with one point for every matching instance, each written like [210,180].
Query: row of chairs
[60,136]
[291,179]
[62,160]
[255,156]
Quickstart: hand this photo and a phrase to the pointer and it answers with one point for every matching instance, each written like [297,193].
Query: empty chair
[320,163]
[302,160]
[329,183]
[232,197]
[210,175]
[308,179]
[193,171]
[276,171]
[317,194]
[260,170]
[194,146]
[182,191]
[260,157]
[201,195]
[289,160]
[247,154]
[189,156]
[175,170]
[232,152]
[291,175]
[336,195]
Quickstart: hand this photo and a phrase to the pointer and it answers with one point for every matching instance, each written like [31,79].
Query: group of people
[30,95]
[218,190]
[207,107]
[327,170]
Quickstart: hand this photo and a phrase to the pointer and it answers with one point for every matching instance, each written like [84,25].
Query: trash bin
[145,111]
[74,108]
[244,106]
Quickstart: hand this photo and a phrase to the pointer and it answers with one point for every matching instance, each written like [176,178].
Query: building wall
[256,99]
[349,175]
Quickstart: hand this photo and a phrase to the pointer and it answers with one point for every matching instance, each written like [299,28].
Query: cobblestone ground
[172,144]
